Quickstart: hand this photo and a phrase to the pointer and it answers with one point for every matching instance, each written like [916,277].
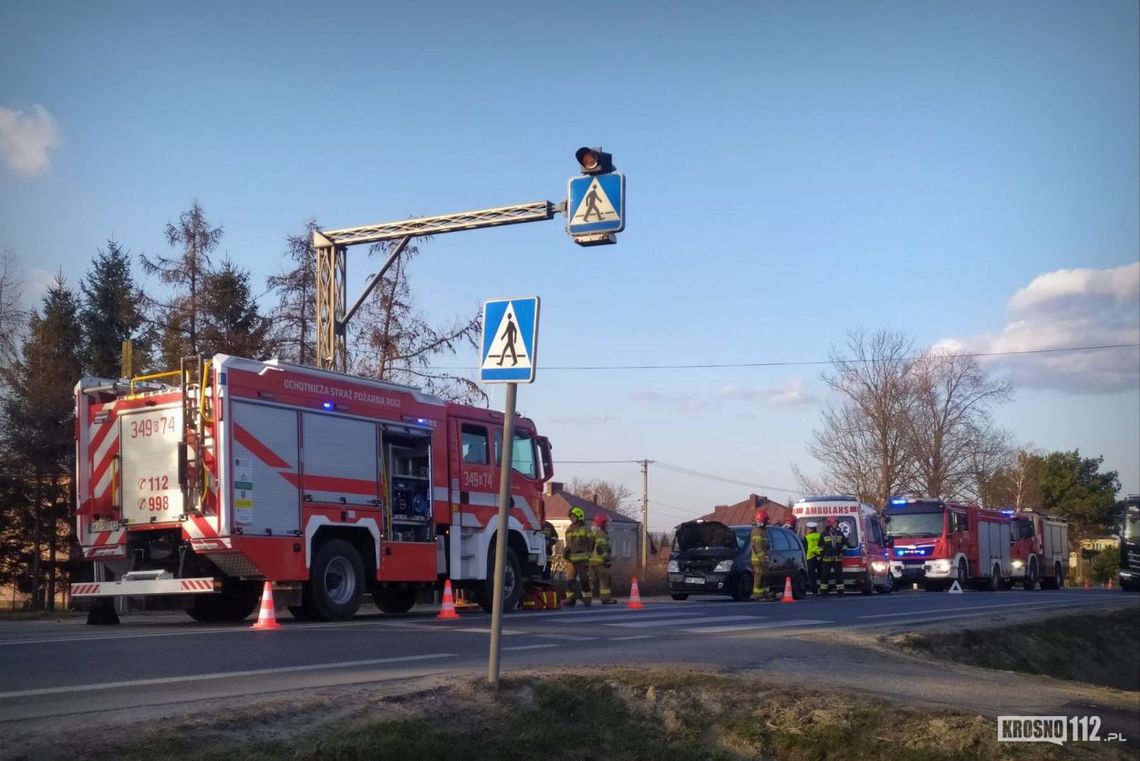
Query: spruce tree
[112,313]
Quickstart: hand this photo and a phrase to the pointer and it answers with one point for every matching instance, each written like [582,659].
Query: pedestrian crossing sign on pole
[510,340]
[596,204]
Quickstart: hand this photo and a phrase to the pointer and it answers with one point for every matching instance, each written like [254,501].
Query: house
[624,532]
[744,512]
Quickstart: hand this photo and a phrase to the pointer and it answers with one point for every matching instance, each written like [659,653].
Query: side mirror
[889,541]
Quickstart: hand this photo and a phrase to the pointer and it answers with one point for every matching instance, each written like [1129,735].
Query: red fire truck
[935,543]
[866,565]
[206,482]
[1039,549]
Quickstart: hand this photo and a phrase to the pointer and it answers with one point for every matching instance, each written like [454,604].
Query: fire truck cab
[202,484]
[866,564]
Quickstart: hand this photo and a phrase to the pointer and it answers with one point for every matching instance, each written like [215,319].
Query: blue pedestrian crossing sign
[510,340]
[596,204]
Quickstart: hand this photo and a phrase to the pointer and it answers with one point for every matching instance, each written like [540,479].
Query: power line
[808,363]
[711,477]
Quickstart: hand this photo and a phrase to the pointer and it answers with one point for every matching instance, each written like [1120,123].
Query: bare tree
[861,439]
[393,341]
[947,423]
[13,317]
[992,453]
[293,333]
[179,318]
[607,494]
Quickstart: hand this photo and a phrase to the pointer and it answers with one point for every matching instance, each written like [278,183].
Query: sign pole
[501,534]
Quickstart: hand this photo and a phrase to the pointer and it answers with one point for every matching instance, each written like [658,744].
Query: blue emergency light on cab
[899,501]
[328,405]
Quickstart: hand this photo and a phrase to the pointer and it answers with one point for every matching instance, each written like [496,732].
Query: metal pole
[644,516]
[501,536]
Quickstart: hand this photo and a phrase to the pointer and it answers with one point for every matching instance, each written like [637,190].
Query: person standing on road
[759,542]
[579,546]
[601,558]
[811,541]
[831,556]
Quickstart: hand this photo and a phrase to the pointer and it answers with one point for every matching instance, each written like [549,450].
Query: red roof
[743,513]
[559,503]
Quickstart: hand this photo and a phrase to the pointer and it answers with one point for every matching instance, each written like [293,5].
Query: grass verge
[676,715]
[1096,648]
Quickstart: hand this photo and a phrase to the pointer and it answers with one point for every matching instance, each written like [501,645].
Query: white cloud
[791,394]
[1068,308]
[26,139]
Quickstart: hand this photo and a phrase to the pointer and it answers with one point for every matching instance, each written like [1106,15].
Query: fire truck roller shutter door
[264,457]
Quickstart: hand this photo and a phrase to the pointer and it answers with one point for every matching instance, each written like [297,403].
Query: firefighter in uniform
[550,535]
[579,546]
[600,561]
[831,545]
[759,541]
[811,542]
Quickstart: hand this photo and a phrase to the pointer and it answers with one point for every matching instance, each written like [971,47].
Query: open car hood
[712,537]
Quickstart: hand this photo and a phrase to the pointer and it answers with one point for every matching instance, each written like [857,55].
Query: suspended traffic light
[594,161]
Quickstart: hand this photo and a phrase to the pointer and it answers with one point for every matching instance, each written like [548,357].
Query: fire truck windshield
[915,524]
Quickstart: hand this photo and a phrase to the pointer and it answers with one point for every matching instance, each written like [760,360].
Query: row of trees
[196,306]
[920,422]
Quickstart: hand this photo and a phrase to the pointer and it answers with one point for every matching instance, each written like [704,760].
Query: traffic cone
[1109,584]
[448,610]
[635,596]
[788,596]
[267,617]
[1086,585]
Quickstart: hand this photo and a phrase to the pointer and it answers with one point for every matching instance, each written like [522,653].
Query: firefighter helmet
[832,523]
[577,513]
[600,519]
[761,517]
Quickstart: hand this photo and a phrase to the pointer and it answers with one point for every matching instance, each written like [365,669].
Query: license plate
[694,580]
[104,525]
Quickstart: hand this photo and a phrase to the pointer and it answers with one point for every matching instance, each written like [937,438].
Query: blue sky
[967,173]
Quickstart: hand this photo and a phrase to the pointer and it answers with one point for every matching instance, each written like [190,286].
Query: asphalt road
[165,664]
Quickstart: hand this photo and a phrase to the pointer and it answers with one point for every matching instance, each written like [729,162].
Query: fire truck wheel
[1030,576]
[394,600]
[512,582]
[867,585]
[1056,581]
[963,574]
[336,582]
[234,603]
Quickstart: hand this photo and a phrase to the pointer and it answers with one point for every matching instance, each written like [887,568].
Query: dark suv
[709,557]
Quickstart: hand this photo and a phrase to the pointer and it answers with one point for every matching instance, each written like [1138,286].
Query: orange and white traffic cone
[267,617]
[788,596]
[1086,584]
[1109,584]
[635,596]
[447,612]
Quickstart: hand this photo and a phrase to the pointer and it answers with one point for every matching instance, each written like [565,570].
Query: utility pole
[645,515]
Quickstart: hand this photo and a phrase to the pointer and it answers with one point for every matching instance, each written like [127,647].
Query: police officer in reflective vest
[811,542]
[601,558]
[759,542]
[831,556]
[579,546]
